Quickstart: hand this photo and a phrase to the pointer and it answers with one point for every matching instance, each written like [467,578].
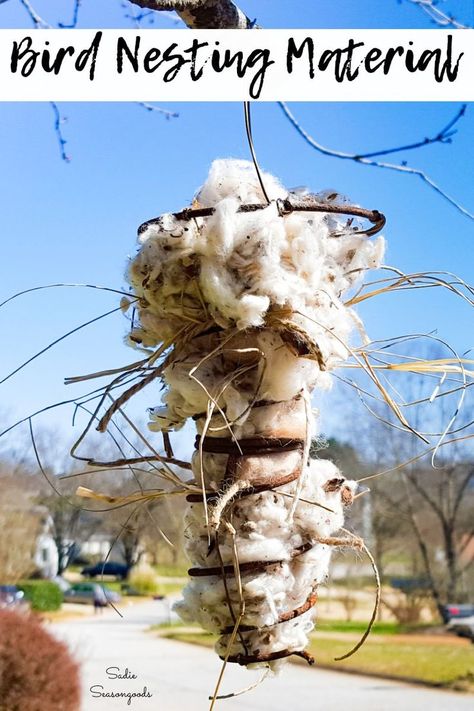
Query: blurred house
[97,546]
[45,555]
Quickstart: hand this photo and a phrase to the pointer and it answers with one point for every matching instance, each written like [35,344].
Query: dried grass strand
[233,694]
[56,341]
[414,459]
[238,620]
[376,604]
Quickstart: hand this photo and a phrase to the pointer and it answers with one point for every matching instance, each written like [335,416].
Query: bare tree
[435,504]
[168,545]
[65,519]
[152,529]
[419,510]
[370,515]
[19,524]
[130,530]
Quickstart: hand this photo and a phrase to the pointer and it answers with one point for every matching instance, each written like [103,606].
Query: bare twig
[41,24]
[58,121]
[158,110]
[458,500]
[36,19]
[467,538]
[75,17]
[369,161]
[430,8]
[443,136]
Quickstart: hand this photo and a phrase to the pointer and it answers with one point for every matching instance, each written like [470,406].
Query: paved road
[180,676]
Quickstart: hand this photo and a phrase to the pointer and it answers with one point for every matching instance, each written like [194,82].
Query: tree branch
[460,493]
[75,17]
[203,14]
[424,494]
[164,112]
[423,548]
[443,136]
[468,565]
[58,121]
[38,21]
[467,539]
[429,7]
[369,161]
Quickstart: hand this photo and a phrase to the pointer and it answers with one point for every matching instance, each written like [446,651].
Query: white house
[45,554]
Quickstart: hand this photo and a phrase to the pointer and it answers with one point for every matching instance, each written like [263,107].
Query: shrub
[144,581]
[37,673]
[408,608]
[43,595]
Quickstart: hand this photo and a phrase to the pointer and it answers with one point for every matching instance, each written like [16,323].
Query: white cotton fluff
[264,532]
[251,306]
[243,270]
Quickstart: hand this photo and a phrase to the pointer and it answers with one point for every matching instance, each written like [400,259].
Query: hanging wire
[311,203]
[248,128]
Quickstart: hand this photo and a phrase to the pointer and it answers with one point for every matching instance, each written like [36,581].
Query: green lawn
[357,627]
[161,588]
[171,571]
[449,665]
[442,664]
[168,588]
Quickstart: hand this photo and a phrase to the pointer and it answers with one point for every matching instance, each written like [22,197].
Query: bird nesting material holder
[245,300]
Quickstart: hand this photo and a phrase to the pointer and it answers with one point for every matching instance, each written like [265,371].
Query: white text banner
[233,65]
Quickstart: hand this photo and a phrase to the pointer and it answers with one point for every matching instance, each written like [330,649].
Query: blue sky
[77,222]
[269,13]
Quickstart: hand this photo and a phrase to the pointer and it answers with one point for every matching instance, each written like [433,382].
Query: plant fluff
[249,304]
